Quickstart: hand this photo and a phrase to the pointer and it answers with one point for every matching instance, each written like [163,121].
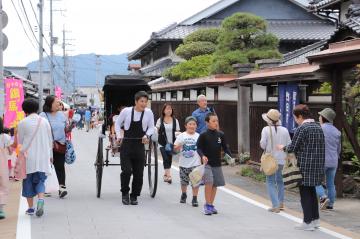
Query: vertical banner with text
[14,98]
[58,92]
[288,99]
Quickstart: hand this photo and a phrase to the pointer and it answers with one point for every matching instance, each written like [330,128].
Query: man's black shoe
[125,199]
[133,201]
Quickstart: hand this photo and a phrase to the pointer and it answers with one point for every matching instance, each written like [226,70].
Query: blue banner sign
[288,99]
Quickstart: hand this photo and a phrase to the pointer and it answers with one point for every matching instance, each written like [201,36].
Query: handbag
[291,173]
[70,155]
[57,146]
[269,164]
[20,166]
[51,182]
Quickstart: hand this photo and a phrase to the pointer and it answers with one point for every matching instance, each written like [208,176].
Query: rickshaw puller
[138,123]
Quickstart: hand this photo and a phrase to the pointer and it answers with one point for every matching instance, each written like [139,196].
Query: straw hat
[272,116]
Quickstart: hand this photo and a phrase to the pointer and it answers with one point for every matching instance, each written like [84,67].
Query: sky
[102,27]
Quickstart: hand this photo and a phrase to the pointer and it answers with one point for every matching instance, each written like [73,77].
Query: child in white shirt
[189,159]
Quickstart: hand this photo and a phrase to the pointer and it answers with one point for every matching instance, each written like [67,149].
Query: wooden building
[334,63]
[289,20]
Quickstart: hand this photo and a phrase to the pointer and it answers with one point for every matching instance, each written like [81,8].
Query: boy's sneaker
[195,202]
[40,208]
[329,207]
[305,227]
[30,211]
[324,202]
[133,200]
[125,199]
[62,192]
[207,210]
[2,214]
[213,209]
[183,198]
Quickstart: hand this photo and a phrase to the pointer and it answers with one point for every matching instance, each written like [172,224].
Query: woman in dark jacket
[308,144]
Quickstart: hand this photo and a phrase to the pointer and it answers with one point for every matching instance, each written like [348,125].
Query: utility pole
[41,91]
[65,60]
[2,88]
[52,89]
[98,63]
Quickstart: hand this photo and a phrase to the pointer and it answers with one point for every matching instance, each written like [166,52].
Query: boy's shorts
[214,176]
[33,184]
[184,175]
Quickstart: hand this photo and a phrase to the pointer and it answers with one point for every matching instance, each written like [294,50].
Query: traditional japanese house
[289,20]
[336,63]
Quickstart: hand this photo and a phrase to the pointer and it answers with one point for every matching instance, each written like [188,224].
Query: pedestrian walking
[138,123]
[87,118]
[272,135]
[5,142]
[34,136]
[308,144]
[201,113]
[58,122]
[209,147]
[168,127]
[332,153]
[189,158]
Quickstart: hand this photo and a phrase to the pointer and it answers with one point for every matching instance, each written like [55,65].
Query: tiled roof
[300,55]
[283,29]
[158,67]
[319,4]
[308,30]
[353,23]
[209,80]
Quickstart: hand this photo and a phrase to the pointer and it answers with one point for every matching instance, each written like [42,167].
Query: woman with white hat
[272,135]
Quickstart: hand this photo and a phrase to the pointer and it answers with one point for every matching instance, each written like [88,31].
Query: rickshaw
[120,90]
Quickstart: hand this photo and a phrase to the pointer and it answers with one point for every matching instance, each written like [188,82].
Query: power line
[22,24]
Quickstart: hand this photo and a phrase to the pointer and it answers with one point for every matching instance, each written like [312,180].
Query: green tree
[200,42]
[243,39]
[198,66]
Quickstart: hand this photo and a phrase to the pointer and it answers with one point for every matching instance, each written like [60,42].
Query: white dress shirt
[40,151]
[124,119]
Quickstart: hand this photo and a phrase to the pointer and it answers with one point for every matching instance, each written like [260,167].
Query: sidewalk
[8,225]
[346,213]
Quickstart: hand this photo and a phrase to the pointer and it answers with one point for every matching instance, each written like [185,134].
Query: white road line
[263,206]
[23,230]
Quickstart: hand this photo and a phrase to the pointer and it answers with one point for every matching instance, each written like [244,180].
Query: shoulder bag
[20,166]
[291,173]
[269,164]
[57,146]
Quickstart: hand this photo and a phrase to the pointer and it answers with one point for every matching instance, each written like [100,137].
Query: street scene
[205,119]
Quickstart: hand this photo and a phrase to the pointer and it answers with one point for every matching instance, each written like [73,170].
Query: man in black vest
[138,125]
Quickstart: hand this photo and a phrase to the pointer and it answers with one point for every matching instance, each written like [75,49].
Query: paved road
[82,215]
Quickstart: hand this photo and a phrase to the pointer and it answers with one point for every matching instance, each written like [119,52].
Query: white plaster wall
[153,96]
[227,93]
[325,98]
[258,93]
[179,95]
[210,93]
[158,96]
[193,95]
[168,96]
[273,99]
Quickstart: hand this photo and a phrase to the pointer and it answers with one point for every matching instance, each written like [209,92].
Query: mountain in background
[82,68]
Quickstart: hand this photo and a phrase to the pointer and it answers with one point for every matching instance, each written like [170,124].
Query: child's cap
[190,118]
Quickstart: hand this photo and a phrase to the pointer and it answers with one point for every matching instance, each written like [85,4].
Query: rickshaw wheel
[99,165]
[152,165]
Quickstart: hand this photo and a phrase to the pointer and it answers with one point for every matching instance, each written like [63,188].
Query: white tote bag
[51,182]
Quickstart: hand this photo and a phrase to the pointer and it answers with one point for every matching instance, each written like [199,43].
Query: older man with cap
[332,153]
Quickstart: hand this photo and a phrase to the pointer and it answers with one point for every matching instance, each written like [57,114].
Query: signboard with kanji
[14,97]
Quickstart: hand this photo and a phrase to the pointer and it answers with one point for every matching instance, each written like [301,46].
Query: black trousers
[59,164]
[167,159]
[132,157]
[309,203]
